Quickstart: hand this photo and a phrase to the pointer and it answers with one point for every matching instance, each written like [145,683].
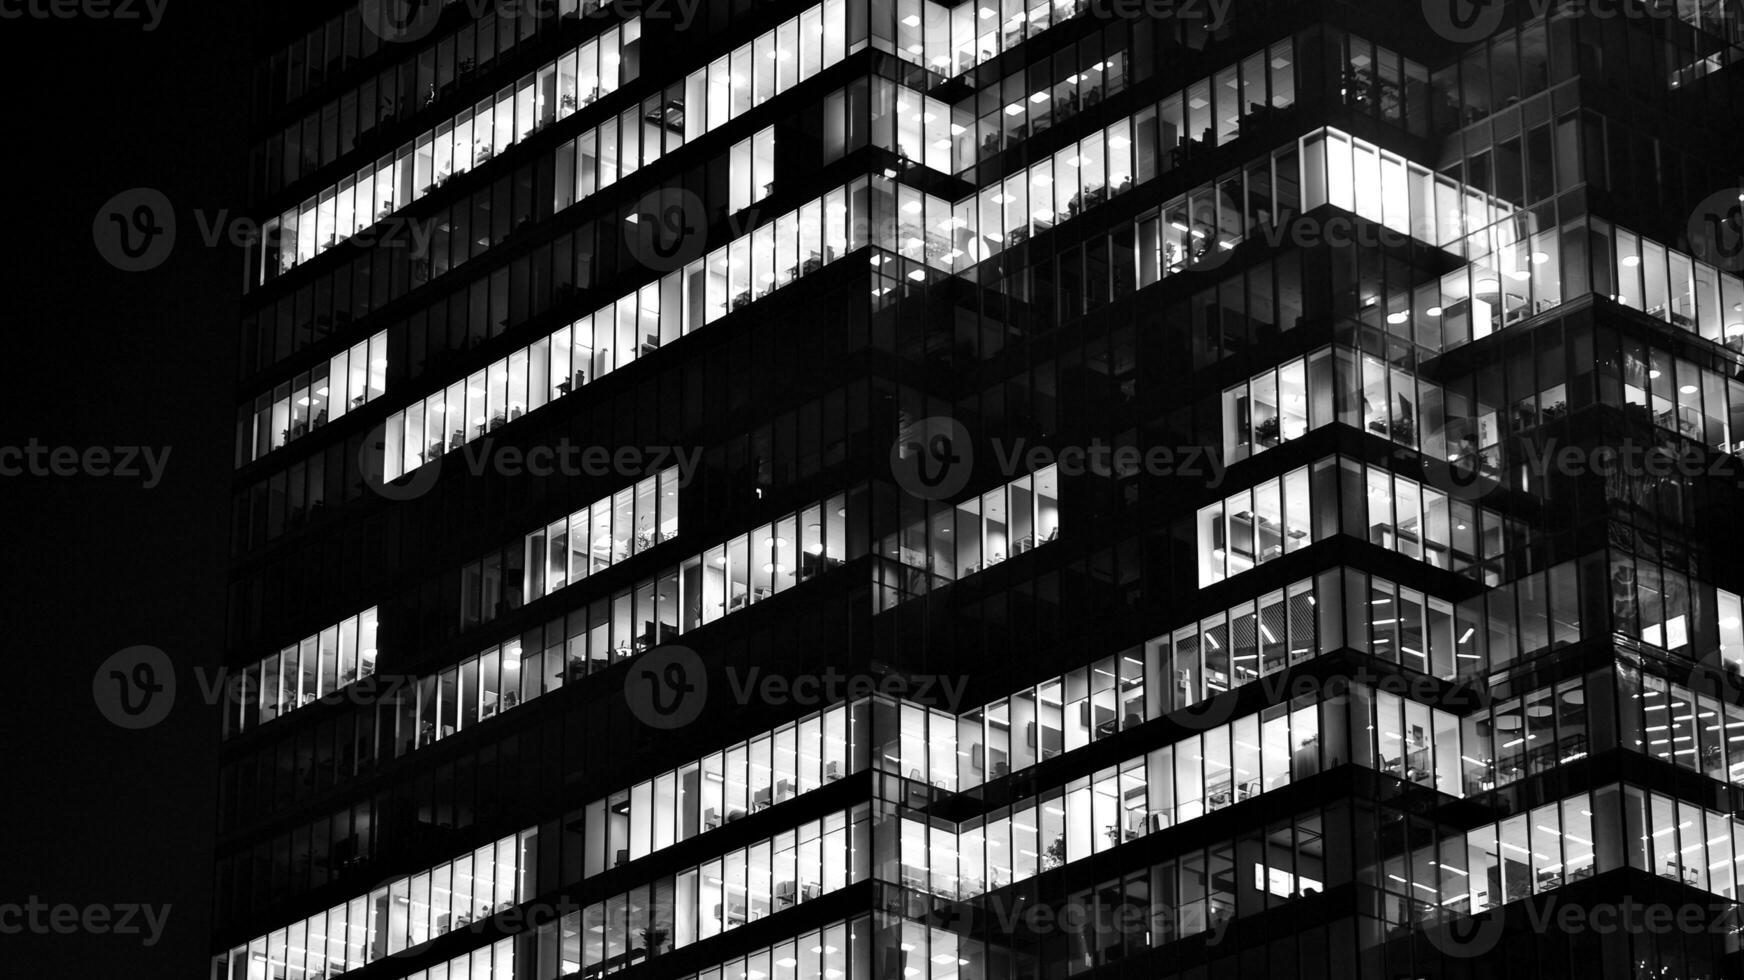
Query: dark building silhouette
[872,490]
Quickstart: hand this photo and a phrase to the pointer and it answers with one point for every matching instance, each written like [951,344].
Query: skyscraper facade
[880,489]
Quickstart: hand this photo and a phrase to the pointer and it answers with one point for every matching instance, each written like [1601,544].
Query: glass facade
[1329,547]
[454,146]
[347,381]
[726,786]
[315,667]
[739,887]
[405,912]
[842,950]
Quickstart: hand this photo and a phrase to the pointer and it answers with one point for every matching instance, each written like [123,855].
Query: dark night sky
[96,814]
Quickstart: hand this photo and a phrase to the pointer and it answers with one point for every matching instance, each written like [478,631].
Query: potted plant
[1055,853]
[1267,431]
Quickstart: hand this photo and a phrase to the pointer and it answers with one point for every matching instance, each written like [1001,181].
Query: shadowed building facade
[882,489]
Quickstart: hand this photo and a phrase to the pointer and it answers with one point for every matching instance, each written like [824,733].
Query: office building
[875,489]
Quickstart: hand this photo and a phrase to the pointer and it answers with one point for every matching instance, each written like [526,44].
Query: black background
[97,357]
